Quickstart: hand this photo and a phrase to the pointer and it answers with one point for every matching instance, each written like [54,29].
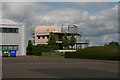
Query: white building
[12,36]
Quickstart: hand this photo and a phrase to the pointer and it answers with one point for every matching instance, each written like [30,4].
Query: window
[9,30]
[0,47]
[47,36]
[16,30]
[9,47]
[0,29]
[15,47]
[38,37]
[4,47]
[43,37]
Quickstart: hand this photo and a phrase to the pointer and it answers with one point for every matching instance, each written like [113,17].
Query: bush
[34,53]
[101,52]
[38,49]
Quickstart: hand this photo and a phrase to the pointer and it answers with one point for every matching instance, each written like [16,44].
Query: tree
[65,41]
[72,41]
[112,44]
[30,46]
[51,40]
[105,44]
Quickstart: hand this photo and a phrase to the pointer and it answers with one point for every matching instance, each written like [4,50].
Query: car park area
[40,67]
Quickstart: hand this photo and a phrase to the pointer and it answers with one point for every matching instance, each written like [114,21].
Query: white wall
[0,43]
[22,47]
[14,38]
[41,40]
[10,38]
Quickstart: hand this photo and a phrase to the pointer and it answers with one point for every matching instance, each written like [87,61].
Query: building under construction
[41,35]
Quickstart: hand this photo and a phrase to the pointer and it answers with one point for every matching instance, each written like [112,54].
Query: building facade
[12,36]
[41,36]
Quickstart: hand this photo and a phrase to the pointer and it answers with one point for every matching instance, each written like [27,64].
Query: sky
[96,21]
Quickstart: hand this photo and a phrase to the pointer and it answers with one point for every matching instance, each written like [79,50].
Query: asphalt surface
[37,67]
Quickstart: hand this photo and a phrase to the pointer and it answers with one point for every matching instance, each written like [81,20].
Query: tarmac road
[37,67]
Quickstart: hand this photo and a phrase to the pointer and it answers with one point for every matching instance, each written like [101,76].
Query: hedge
[101,52]
[38,49]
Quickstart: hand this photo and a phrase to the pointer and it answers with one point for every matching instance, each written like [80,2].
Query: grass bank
[100,52]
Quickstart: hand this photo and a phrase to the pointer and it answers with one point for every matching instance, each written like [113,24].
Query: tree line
[113,43]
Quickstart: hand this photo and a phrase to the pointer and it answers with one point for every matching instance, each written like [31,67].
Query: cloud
[95,6]
[21,10]
[24,13]
[57,16]
[60,1]
[0,10]
[103,39]
[105,22]
[99,27]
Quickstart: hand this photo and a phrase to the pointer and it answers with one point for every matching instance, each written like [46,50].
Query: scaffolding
[70,28]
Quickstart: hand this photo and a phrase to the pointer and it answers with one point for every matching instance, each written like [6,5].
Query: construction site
[41,35]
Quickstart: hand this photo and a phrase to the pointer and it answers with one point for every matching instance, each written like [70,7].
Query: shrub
[38,49]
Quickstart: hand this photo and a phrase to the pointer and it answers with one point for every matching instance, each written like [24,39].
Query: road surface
[37,67]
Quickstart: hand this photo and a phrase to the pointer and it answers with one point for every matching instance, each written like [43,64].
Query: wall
[44,30]
[22,47]
[14,38]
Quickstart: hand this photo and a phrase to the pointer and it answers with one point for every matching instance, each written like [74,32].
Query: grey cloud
[95,6]
[101,40]
[94,26]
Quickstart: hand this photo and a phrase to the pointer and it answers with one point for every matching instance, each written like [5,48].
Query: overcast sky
[97,21]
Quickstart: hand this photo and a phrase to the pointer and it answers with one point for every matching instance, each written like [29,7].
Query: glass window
[43,37]
[17,30]
[10,47]
[13,30]
[38,37]
[15,47]
[4,30]
[0,29]
[9,30]
[5,48]
[0,47]
[47,36]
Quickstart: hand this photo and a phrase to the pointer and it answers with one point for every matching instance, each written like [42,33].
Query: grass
[101,52]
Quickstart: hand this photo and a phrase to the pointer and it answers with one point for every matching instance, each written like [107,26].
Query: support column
[86,45]
[80,46]
[76,46]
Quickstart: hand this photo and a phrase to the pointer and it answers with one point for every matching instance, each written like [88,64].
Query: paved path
[36,67]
